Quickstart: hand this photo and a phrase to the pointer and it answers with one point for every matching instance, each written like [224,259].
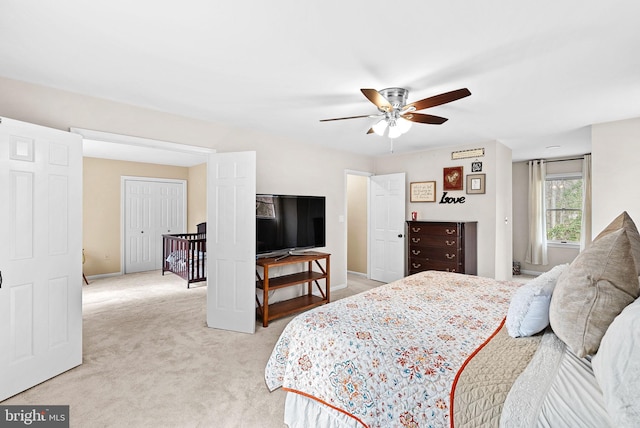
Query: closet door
[152,207]
[140,249]
[170,214]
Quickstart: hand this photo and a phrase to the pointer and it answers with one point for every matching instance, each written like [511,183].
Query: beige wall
[101,208]
[357,189]
[197,197]
[283,166]
[484,208]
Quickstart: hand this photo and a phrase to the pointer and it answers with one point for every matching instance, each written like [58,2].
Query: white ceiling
[540,72]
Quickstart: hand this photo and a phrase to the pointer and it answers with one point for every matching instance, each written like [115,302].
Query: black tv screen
[287,222]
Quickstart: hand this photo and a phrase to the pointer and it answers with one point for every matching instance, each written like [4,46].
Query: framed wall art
[422,191]
[475,183]
[452,178]
[463,154]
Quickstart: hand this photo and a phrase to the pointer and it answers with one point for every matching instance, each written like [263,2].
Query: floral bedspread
[388,357]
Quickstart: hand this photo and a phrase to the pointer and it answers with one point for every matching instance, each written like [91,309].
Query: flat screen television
[287,223]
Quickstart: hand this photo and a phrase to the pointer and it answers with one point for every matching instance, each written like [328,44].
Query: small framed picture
[476,166]
[475,183]
[452,178]
[422,191]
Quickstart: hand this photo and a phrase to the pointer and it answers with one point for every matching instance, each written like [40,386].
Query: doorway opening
[357,191]
[109,159]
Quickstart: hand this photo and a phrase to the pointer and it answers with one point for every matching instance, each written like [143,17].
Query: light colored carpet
[150,360]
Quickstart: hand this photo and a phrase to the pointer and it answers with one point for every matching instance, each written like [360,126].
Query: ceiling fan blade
[374,96]
[370,131]
[343,118]
[437,100]
[425,118]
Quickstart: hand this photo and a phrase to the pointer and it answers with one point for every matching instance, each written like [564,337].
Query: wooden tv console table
[267,312]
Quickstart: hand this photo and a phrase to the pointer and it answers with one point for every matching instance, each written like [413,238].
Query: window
[563,202]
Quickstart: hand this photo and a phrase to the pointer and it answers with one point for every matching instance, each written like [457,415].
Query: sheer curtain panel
[537,246]
[585,230]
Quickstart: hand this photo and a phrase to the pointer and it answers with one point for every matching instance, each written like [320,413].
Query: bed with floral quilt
[387,357]
[439,349]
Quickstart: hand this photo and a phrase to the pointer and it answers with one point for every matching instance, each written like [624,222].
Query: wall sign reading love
[451,200]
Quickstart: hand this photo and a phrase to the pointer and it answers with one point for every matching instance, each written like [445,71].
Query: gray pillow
[624,221]
[598,285]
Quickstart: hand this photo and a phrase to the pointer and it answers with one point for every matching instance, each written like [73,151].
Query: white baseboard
[105,275]
[358,273]
[338,287]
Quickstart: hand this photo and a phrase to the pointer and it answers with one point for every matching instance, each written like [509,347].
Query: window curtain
[585,230]
[537,247]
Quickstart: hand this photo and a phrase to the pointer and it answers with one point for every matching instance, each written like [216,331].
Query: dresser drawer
[439,241]
[444,254]
[438,229]
[420,265]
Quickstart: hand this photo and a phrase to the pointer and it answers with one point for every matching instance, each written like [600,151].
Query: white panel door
[231,241]
[140,239]
[40,254]
[171,214]
[387,201]
[152,208]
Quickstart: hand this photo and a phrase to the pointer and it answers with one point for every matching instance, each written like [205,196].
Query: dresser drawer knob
[415,240]
[450,256]
[450,243]
[450,232]
[416,265]
[451,270]
[416,252]
[415,229]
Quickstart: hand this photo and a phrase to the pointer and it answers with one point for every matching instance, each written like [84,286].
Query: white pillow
[529,308]
[616,366]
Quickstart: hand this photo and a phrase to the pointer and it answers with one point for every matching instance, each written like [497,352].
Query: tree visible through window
[563,202]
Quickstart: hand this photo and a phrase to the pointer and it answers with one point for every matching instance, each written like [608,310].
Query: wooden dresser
[445,246]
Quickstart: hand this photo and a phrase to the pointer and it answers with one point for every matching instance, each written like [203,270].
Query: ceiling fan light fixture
[403,124]
[394,131]
[380,127]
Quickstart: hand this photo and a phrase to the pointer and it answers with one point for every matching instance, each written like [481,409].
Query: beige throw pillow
[624,221]
[598,285]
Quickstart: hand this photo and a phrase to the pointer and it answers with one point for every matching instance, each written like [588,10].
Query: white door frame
[123,211]
[130,148]
[199,152]
[348,172]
